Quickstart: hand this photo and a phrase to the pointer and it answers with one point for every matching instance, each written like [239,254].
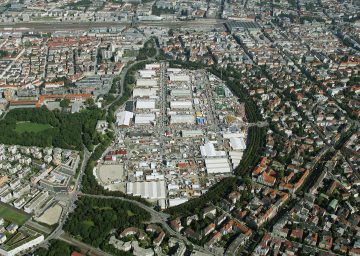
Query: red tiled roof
[268,178]
[23,102]
[76,254]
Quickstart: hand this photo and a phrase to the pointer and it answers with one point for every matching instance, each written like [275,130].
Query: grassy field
[130,53]
[130,213]
[87,223]
[31,127]
[14,215]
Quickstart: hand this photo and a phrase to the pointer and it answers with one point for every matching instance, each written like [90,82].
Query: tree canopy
[65,103]
[56,247]
[68,130]
[94,218]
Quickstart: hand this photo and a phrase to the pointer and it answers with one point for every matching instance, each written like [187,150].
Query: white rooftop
[124,117]
[237,143]
[145,104]
[150,190]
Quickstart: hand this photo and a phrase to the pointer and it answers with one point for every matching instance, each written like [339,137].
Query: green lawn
[130,213]
[13,215]
[130,53]
[31,127]
[88,223]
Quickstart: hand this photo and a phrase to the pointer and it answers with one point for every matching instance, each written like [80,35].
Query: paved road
[84,247]
[38,227]
[156,217]
[235,245]
[315,160]
[67,238]
[53,234]
[258,124]
[315,248]
[123,75]
[4,114]
[289,205]
[72,199]
[58,232]
[12,63]
[66,26]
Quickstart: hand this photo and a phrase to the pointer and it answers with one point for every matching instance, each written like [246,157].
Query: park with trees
[57,247]
[148,51]
[95,218]
[58,129]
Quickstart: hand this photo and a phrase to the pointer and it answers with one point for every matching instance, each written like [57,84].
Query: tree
[65,103]
[94,218]
[28,44]
[90,102]
[67,130]
[56,247]
[3,53]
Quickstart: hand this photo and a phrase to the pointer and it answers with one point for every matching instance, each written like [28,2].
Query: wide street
[68,26]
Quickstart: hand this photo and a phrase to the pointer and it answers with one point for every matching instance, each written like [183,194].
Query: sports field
[31,127]
[13,215]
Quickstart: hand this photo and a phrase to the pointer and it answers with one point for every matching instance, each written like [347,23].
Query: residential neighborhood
[152,127]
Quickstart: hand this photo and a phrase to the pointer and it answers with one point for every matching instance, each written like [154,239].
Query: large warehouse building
[145,92]
[208,150]
[145,104]
[182,119]
[237,144]
[123,118]
[217,165]
[235,158]
[146,73]
[145,118]
[181,93]
[179,78]
[147,189]
[181,104]
[152,66]
[147,82]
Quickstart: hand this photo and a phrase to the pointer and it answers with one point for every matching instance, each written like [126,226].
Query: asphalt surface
[123,75]
[85,247]
[12,62]
[72,199]
[156,217]
[58,232]
[68,26]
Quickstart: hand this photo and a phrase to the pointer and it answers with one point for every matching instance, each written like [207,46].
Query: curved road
[124,72]
[156,217]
